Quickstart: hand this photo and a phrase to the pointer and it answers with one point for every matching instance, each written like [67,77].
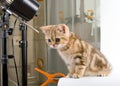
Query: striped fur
[81,58]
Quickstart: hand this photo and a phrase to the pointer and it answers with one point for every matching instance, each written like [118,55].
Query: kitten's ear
[63,28]
[44,29]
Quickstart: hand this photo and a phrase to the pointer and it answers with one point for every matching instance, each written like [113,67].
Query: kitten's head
[57,36]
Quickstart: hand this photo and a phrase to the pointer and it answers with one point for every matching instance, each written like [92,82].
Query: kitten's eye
[57,40]
[49,40]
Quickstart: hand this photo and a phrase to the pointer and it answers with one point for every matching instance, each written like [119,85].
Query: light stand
[23,45]
[5,27]
[24,10]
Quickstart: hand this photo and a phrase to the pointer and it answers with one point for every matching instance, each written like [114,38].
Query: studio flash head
[26,9]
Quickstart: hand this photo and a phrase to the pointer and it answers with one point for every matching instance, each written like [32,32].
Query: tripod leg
[5,27]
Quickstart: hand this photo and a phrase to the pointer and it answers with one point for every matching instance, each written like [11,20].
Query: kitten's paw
[69,76]
[77,75]
[102,75]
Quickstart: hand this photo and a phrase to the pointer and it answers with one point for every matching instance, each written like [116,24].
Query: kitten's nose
[53,45]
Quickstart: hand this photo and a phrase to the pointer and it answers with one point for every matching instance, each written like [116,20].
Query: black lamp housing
[26,9]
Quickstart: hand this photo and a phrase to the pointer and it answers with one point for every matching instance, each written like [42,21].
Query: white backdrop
[110,33]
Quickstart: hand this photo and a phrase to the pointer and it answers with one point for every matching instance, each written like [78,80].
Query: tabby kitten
[81,58]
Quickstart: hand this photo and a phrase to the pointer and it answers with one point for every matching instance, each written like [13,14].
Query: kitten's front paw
[77,75]
[69,76]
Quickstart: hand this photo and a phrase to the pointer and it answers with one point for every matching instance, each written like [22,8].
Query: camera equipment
[24,10]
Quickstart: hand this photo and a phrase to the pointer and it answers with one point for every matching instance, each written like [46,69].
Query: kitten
[81,58]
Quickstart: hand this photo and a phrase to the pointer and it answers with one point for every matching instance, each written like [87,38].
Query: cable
[13,53]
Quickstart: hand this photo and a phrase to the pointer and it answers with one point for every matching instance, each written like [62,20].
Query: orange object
[50,77]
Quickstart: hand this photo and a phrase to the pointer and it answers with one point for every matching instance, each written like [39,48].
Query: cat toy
[51,78]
